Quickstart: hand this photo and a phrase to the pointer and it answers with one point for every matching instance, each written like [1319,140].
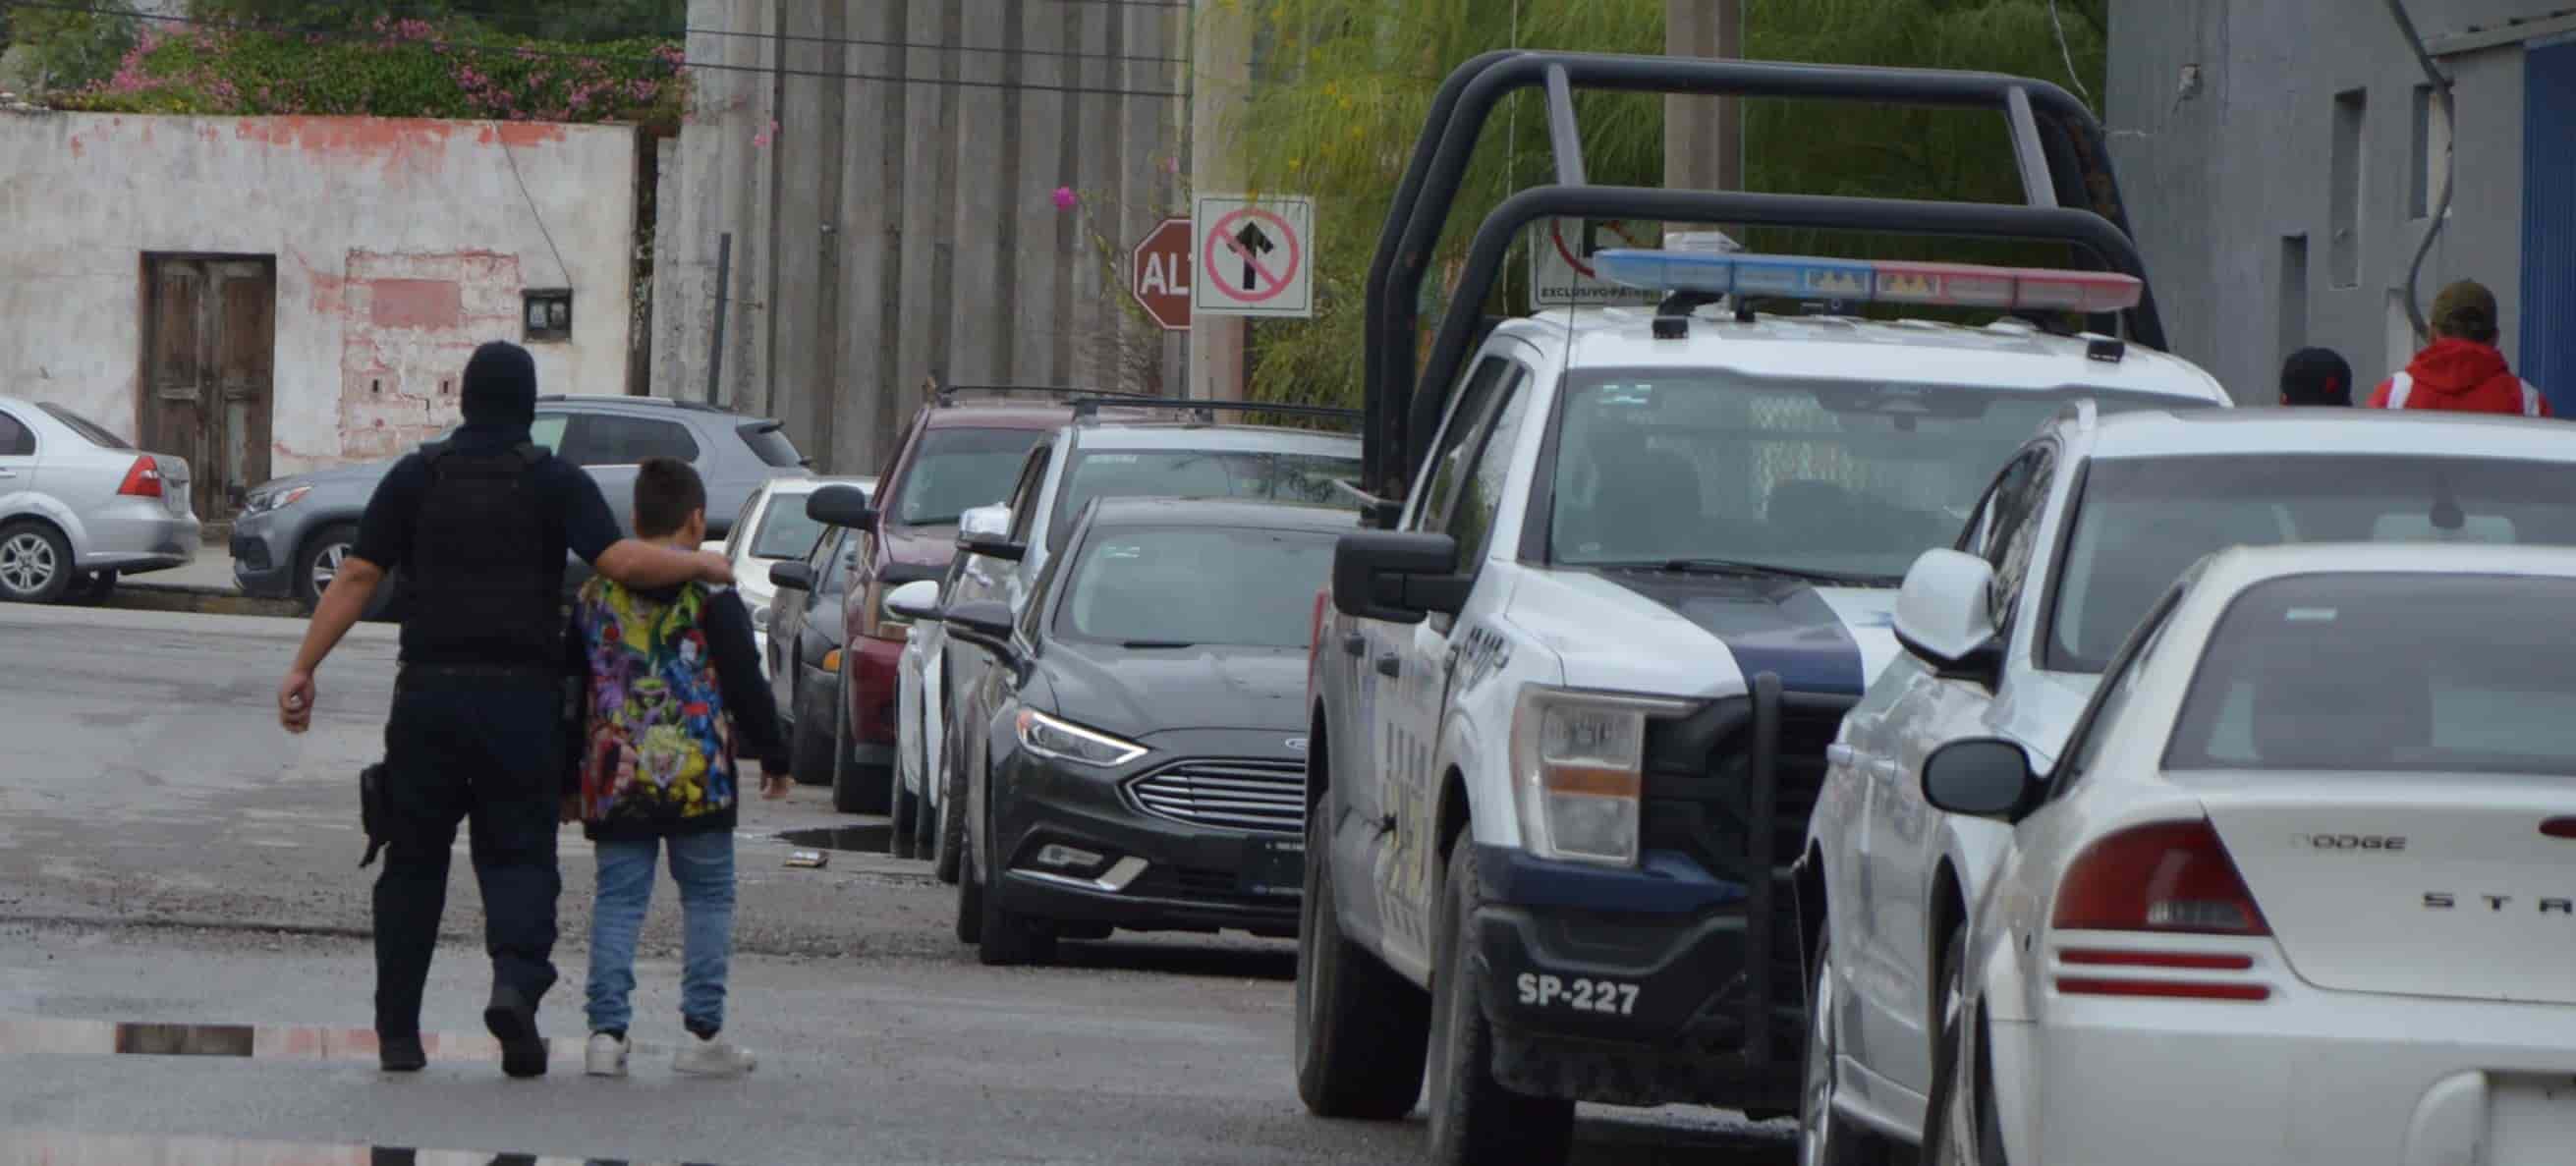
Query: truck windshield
[1835,479]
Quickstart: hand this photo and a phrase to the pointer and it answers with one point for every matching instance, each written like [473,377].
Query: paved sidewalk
[211,573]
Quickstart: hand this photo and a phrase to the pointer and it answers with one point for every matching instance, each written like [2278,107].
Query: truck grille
[1264,796]
[1699,781]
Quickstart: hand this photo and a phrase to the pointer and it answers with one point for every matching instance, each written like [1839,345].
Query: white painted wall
[365,217]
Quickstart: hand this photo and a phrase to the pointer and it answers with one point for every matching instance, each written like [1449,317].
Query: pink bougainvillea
[1066,199]
[766,136]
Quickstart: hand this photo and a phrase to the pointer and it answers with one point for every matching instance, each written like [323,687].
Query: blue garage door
[2548,332]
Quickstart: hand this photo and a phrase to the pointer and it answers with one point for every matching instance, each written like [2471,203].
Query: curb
[195,599]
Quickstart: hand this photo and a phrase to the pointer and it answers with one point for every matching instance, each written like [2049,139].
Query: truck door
[1404,676]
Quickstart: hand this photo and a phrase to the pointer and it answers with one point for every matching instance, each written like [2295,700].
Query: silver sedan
[79,506]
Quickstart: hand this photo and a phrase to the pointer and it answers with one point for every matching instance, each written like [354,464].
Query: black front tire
[970,908]
[1962,1127]
[35,562]
[907,808]
[951,851]
[1474,1119]
[1362,1030]
[1824,1137]
[1006,938]
[809,749]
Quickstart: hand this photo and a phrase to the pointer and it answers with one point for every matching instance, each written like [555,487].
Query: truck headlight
[1578,771]
[1063,740]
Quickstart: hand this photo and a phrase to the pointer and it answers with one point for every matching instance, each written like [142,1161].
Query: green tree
[1346,84]
[61,49]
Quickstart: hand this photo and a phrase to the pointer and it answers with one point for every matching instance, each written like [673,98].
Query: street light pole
[1703,136]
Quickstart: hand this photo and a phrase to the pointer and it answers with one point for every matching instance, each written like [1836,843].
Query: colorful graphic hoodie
[673,702]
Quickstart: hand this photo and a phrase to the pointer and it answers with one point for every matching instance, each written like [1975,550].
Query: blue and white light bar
[1799,277]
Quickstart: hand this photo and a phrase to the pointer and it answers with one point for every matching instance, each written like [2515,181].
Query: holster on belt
[373,815]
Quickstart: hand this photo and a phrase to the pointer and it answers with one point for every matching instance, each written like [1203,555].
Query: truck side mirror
[1398,576]
[1945,615]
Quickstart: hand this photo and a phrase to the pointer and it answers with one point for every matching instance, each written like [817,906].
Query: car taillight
[2165,878]
[142,479]
[2172,877]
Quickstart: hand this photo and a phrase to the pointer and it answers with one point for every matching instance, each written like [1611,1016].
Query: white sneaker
[713,1058]
[606,1056]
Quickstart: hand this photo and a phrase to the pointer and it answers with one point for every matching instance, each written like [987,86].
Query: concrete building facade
[2283,160]
[267,296]
[888,172]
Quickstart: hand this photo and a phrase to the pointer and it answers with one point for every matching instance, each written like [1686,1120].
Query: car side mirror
[1400,576]
[913,602]
[1945,615]
[1981,777]
[791,576]
[986,624]
[841,505]
[993,546]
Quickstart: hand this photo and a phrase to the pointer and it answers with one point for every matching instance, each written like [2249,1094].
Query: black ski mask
[500,387]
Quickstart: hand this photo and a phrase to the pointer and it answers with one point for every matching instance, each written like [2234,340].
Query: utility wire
[534,212]
[598,58]
[2067,53]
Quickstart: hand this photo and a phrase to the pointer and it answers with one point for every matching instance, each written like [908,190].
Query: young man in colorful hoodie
[2462,371]
[674,705]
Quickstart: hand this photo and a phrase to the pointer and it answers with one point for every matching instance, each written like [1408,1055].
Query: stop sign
[1159,274]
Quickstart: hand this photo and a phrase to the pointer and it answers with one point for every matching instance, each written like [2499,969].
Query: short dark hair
[2316,376]
[667,491]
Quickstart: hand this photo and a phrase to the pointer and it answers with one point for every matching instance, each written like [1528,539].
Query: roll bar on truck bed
[2070,196]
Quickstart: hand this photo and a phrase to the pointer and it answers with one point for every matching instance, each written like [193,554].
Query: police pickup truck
[1571,698]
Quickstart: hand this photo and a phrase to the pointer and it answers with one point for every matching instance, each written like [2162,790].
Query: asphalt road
[184,973]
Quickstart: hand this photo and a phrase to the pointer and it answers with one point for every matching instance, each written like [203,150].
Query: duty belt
[412,673]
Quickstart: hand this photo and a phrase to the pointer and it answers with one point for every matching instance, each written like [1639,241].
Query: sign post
[1254,256]
[1158,274]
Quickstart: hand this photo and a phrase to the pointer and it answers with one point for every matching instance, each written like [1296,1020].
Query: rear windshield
[1274,477]
[2140,521]
[769,442]
[1185,586]
[958,470]
[89,430]
[2386,673]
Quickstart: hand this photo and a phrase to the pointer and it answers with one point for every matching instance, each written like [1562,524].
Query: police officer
[478,524]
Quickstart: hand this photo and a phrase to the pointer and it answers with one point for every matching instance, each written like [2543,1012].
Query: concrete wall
[399,246]
[898,223]
[2222,120]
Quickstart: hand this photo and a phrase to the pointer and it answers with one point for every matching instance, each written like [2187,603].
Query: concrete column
[1703,136]
[1221,74]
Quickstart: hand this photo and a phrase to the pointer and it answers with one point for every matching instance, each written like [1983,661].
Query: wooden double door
[209,385]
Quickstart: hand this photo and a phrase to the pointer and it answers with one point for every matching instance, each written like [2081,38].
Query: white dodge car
[2299,890]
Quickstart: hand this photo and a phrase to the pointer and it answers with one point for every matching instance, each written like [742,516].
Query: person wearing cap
[2316,376]
[2461,371]
[478,524]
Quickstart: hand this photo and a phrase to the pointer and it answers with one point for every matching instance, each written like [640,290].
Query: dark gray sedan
[293,532]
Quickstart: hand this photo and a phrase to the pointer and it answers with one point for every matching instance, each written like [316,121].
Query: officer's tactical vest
[482,586]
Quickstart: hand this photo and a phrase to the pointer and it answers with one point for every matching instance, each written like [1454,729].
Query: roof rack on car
[2058,146]
[947,395]
[637,399]
[1087,409]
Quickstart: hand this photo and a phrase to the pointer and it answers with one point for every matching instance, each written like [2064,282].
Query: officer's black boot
[514,1020]
[401,1054]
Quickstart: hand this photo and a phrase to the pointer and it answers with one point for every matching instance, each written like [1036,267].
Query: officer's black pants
[486,750]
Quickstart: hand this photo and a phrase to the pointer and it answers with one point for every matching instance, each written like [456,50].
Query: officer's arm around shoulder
[590,530]
[384,528]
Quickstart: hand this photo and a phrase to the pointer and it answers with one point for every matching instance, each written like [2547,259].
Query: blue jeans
[702,865]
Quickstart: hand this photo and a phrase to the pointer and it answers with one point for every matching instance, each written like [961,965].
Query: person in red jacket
[2461,371]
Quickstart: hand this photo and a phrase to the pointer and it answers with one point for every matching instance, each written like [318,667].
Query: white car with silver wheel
[2299,889]
[79,506]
